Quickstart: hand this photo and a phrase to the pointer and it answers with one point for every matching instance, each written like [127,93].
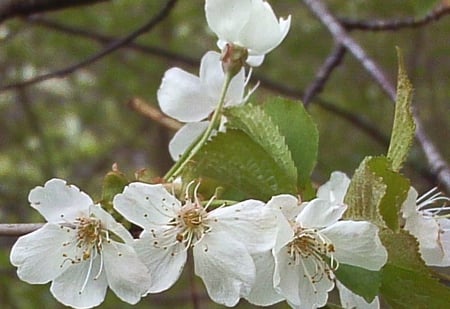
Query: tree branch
[106,51]
[435,160]
[18,229]
[14,8]
[324,73]
[396,24]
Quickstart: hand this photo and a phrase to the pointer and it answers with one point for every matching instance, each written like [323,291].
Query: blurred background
[77,126]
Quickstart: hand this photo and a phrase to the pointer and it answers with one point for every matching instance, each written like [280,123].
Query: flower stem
[214,124]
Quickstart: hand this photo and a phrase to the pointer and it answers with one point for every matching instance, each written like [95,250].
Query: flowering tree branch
[113,46]
[148,111]
[14,8]
[435,160]
[396,24]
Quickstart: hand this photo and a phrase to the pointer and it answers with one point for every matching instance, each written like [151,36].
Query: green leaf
[234,159]
[407,282]
[397,187]
[363,282]
[300,132]
[252,120]
[404,127]
[376,193]
[364,195]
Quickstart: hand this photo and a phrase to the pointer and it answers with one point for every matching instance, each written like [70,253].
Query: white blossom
[304,263]
[189,98]
[250,24]
[222,239]
[429,224]
[81,249]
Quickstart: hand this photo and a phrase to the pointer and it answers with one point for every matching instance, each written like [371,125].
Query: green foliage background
[75,128]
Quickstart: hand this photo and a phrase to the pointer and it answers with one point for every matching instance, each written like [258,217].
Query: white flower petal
[185,137]
[212,78]
[350,300]
[255,60]
[286,278]
[252,224]
[357,243]
[444,238]
[434,242]
[165,264]
[59,202]
[288,205]
[263,292]
[183,97]
[109,223]
[146,205]
[291,280]
[320,213]
[39,255]
[127,276]
[227,17]
[409,206]
[227,269]
[262,32]
[68,287]
[334,190]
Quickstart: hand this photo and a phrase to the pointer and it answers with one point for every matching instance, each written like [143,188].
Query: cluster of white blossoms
[285,249]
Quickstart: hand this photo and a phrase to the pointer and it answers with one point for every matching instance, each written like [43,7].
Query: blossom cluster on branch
[274,238]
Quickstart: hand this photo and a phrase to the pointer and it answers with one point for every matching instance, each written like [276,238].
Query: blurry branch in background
[437,164]
[110,48]
[149,111]
[14,8]
[322,75]
[396,24]
[106,39]
[18,229]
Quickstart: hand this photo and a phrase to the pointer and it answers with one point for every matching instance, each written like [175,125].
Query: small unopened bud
[233,58]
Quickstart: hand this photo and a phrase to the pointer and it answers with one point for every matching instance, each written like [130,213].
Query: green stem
[214,124]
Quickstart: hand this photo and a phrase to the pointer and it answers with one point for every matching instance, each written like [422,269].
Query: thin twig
[435,160]
[324,73]
[106,39]
[149,111]
[106,51]
[18,229]
[395,24]
[14,8]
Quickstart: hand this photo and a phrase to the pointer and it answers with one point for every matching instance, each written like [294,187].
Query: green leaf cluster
[266,150]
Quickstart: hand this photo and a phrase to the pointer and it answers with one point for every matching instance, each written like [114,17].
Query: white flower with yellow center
[222,239]
[429,224]
[304,263]
[81,249]
[248,24]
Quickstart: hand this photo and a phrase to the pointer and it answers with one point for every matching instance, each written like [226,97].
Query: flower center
[309,246]
[89,235]
[191,223]
[89,239]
